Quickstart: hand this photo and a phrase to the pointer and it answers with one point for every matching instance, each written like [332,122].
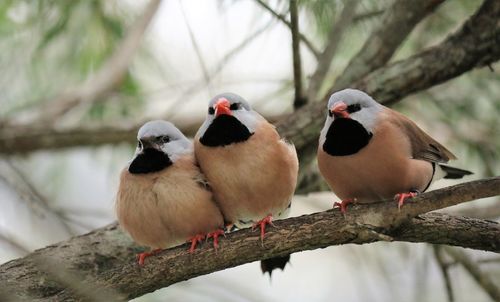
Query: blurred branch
[197,50]
[299,99]
[37,203]
[397,23]
[303,38]
[326,57]
[104,81]
[15,244]
[484,212]
[438,254]
[483,280]
[105,257]
[363,16]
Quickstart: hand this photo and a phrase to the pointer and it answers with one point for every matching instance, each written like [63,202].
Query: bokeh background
[191,50]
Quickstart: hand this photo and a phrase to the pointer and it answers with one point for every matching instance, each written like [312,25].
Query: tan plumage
[163,199]
[399,157]
[251,179]
[165,208]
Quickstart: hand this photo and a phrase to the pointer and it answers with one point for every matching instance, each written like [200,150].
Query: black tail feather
[268,265]
[454,173]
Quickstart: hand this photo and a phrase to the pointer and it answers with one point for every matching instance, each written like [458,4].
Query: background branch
[282,18]
[299,99]
[105,257]
[481,278]
[397,23]
[105,80]
[326,57]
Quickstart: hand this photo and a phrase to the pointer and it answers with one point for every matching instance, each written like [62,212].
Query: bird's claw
[401,198]
[343,204]
[142,256]
[262,224]
[215,234]
[194,241]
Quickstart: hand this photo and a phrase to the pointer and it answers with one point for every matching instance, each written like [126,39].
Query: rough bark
[475,44]
[104,259]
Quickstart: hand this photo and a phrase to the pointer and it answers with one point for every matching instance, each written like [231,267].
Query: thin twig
[483,279]
[444,271]
[283,19]
[299,99]
[197,49]
[326,57]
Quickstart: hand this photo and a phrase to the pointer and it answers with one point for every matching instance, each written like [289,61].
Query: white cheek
[177,148]
[366,117]
[205,125]
[248,118]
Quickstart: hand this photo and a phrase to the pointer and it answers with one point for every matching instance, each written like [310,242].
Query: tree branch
[299,99]
[481,278]
[397,23]
[303,38]
[105,257]
[443,266]
[105,80]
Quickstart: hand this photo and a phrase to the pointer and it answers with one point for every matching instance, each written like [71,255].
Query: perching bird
[369,152]
[163,199]
[252,171]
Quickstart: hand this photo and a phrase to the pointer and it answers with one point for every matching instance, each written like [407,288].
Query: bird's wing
[423,146]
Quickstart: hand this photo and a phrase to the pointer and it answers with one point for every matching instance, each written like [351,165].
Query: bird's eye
[139,144]
[235,106]
[163,139]
[330,113]
[353,108]
[211,110]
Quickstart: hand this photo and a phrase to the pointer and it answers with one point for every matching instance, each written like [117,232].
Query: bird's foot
[142,256]
[401,197]
[194,241]
[262,224]
[215,235]
[343,204]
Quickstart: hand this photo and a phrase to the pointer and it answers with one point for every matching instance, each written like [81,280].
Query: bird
[163,198]
[369,152]
[251,169]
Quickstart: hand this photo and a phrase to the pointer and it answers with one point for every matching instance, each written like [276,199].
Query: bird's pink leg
[142,256]
[194,241]
[262,223]
[215,235]
[343,204]
[401,197]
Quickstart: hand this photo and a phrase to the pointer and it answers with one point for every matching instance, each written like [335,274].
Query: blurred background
[96,70]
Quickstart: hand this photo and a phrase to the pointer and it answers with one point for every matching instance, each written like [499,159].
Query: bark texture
[104,260]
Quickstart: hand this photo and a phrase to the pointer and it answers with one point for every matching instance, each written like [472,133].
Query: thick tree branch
[105,257]
[106,79]
[475,44]
[397,23]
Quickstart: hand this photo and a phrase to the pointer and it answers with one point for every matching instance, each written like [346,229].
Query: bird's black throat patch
[345,137]
[151,160]
[225,130]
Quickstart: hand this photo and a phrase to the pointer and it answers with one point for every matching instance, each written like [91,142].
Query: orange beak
[339,109]
[222,107]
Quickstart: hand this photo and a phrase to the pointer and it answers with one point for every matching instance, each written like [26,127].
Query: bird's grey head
[230,104]
[163,136]
[354,104]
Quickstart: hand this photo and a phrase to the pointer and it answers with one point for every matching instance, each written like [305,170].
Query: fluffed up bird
[163,199]
[252,171]
[369,152]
